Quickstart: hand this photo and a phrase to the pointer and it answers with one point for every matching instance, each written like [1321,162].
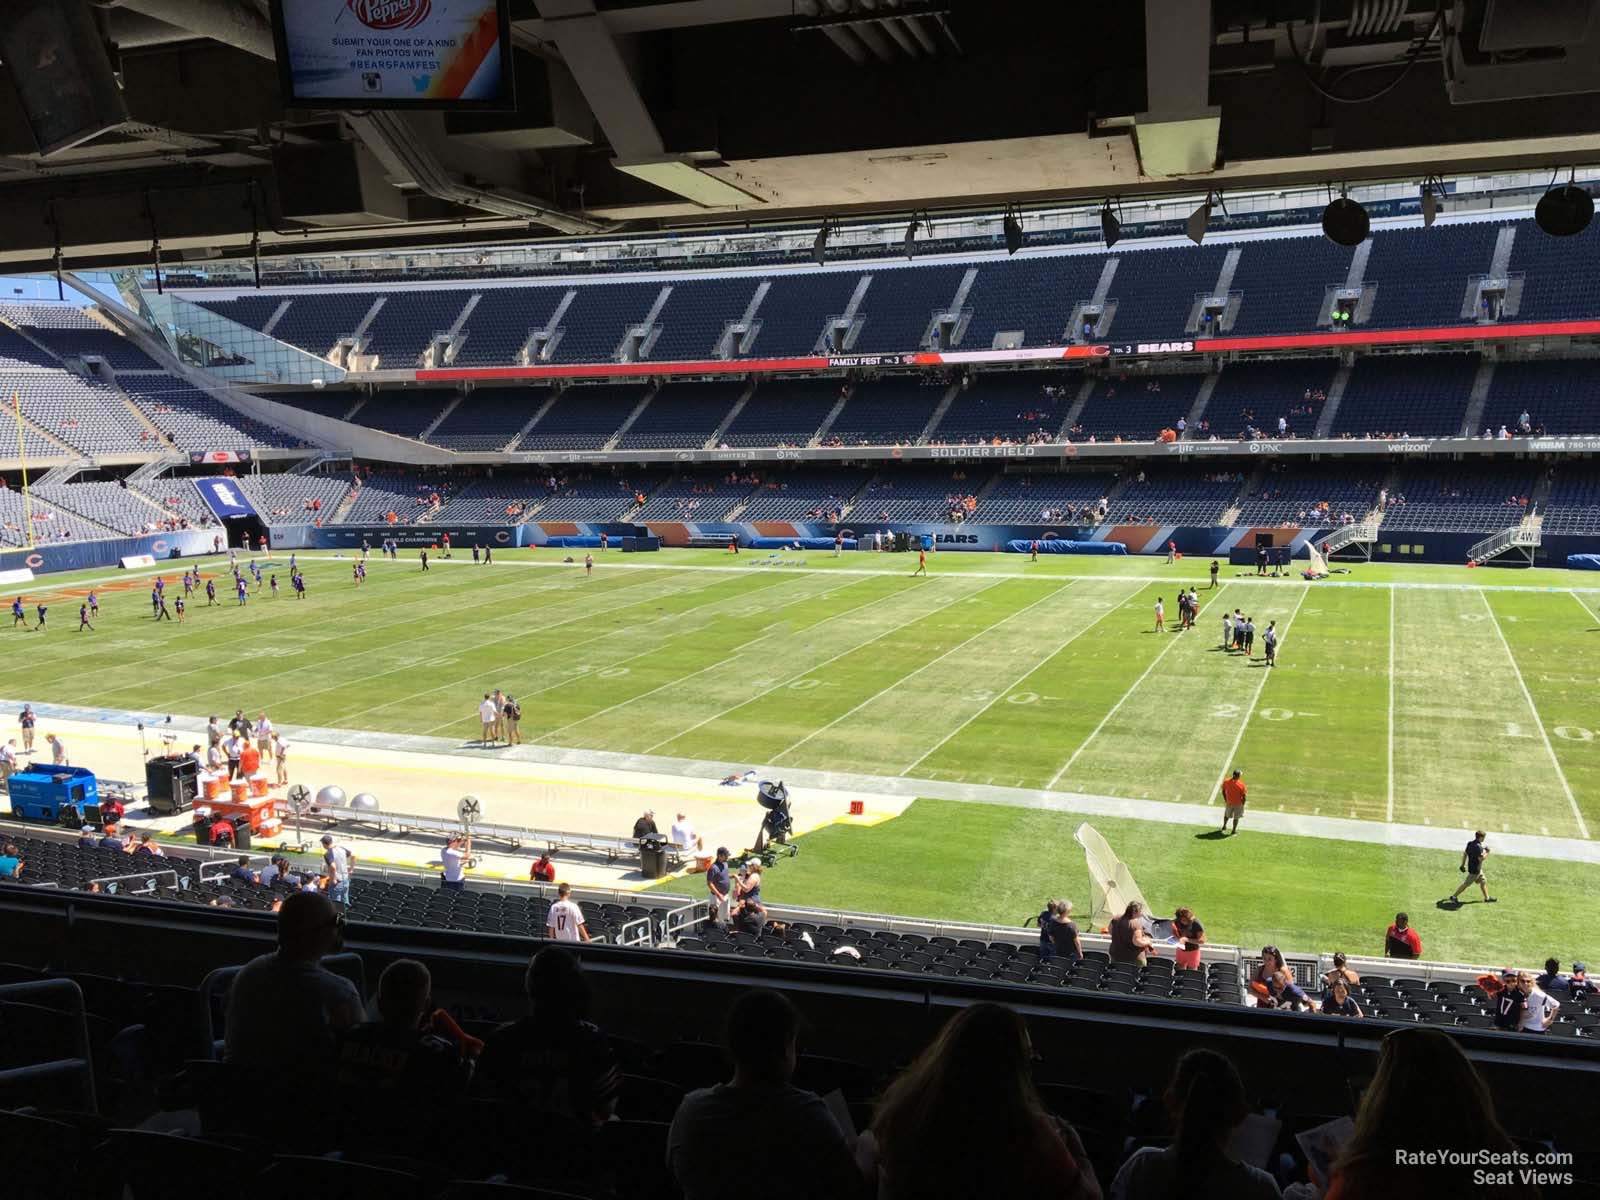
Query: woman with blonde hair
[1402,1111]
[964,1120]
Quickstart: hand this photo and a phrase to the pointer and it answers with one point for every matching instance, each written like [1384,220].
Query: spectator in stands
[1552,981]
[11,862]
[554,1061]
[725,1133]
[719,884]
[399,1052]
[1206,1102]
[1274,985]
[1539,1009]
[964,1120]
[455,856]
[285,1007]
[87,839]
[564,922]
[1401,1111]
[278,869]
[543,870]
[1340,972]
[147,845]
[242,871]
[337,866]
[1338,1002]
[109,840]
[1129,938]
[1191,935]
[1579,984]
[1400,940]
[1064,933]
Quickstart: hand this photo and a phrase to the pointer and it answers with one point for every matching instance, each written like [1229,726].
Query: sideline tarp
[1583,562]
[1064,546]
[805,543]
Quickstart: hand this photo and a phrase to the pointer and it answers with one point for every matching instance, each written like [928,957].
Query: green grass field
[1454,704]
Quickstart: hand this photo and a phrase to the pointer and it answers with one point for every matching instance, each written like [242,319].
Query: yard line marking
[1260,687]
[741,598]
[809,670]
[721,662]
[1566,787]
[1023,678]
[913,674]
[1117,707]
[1584,606]
[1388,812]
[455,653]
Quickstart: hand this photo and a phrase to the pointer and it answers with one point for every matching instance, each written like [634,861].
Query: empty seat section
[681,416]
[488,418]
[805,494]
[797,307]
[498,501]
[334,403]
[499,325]
[696,496]
[178,498]
[411,498]
[920,496]
[1155,290]
[408,321]
[1034,296]
[595,322]
[1560,279]
[892,411]
[1254,395]
[1422,274]
[1282,283]
[251,311]
[1066,499]
[18,351]
[194,420]
[103,503]
[594,495]
[1559,397]
[584,417]
[315,321]
[1135,408]
[696,314]
[87,416]
[900,305]
[50,524]
[1573,505]
[1008,408]
[289,499]
[783,412]
[406,412]
[1306,495]
[99,342]
[1474,497]
[1420,395]
[1175,496]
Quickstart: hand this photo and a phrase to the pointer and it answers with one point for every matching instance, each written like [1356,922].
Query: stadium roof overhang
[636,115]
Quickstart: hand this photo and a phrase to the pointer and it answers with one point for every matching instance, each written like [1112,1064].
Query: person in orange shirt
[922,563]
[1233,793]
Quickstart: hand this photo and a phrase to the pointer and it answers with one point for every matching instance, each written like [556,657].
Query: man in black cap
[719,883]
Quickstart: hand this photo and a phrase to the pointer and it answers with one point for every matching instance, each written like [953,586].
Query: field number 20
[1568,733]
[984,696]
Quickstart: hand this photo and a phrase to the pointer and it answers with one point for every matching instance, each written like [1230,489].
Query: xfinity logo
[959,539]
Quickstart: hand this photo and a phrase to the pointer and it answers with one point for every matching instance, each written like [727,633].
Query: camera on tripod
[778,822]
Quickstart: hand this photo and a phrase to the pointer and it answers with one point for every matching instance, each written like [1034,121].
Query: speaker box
[172,784]
[61,72]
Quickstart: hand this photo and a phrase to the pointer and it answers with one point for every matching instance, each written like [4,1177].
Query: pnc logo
[390,14]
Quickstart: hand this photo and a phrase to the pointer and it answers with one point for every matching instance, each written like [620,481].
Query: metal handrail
[230,864]
[152,876]
[644,934]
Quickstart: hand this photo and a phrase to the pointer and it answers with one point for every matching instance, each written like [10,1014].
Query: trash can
[652,857]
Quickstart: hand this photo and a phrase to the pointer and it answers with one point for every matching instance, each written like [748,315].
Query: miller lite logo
[390,14]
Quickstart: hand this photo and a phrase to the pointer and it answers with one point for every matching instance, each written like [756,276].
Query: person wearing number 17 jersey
[564,922]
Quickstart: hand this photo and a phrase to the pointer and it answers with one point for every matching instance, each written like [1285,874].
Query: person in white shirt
[233,748]
[489,715]
[564,923]
[683,834]
[454,857]
[214,758]
[264,735]
[8,759]
[280,756]
[337,864]
[58,750]
[1539,1012]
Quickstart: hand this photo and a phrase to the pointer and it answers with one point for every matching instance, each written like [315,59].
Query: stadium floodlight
[1110,227]
[1565,211]
[1345,222]
[1195,227]
[1430,203]
[1011,230]
[819,248]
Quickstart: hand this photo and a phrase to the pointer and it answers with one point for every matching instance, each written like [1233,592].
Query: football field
[1417,696]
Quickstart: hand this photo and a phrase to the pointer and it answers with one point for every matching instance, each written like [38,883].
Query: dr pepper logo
[390,14]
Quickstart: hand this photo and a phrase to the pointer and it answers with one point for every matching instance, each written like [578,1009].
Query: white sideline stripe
[1577,814]
[809,670]
[740,598]
[1115,708]
[1548,589]
[913,674]
[1266,674]
[1584,606]
[721,662]
[1388,811]
[1022,679]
